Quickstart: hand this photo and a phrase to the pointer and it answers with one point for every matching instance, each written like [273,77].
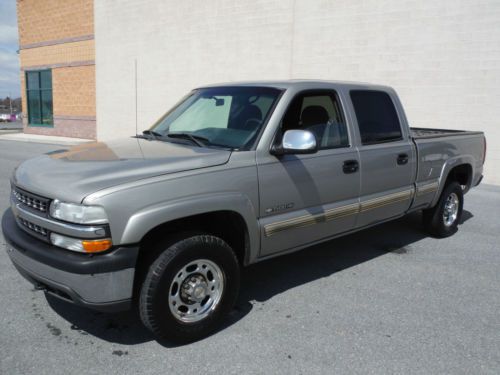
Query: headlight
[78,213]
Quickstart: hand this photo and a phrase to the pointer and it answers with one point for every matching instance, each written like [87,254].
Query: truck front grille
[33,229]
[30,200]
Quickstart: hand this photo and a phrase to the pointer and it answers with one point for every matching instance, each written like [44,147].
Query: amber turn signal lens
[96,245]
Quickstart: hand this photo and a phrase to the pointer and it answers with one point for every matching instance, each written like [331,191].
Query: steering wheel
[253,99]
[252,124]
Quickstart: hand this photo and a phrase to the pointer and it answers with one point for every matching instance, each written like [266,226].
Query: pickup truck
[234,174]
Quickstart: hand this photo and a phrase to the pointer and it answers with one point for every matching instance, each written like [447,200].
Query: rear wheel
[442,220]
[190,288]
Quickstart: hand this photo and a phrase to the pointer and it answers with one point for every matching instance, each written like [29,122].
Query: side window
[377,117]
[320,113]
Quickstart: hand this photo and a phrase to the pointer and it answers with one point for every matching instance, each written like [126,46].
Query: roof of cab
[300,84]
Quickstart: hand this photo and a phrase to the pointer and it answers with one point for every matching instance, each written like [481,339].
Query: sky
[9,44]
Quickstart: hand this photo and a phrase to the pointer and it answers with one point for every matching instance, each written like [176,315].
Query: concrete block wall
[443,57]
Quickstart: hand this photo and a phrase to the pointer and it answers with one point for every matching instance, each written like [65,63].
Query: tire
[173,302]
[442,220]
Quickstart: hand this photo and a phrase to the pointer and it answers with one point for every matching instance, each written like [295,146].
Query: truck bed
[420,133]
[438,150]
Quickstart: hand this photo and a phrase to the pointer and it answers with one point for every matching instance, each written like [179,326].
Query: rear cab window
[376,115]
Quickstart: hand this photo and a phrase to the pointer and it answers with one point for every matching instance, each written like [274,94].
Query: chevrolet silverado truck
[234,174]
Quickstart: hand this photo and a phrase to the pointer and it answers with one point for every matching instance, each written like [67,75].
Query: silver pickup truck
[232,175]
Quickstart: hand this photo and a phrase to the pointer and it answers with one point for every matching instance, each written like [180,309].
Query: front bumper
[101,282]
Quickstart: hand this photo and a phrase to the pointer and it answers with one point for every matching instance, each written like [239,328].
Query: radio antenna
[135,75]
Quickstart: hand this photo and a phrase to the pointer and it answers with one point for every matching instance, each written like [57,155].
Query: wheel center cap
[194,289]
[199,292]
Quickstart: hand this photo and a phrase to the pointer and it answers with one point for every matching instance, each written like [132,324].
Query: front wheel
[190,288]
[442,220]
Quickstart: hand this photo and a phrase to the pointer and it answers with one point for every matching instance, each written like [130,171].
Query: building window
[39,98]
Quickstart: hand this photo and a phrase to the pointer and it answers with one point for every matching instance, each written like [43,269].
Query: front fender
[141,222]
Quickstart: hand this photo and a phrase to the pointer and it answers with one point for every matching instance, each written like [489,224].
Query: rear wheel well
[227,225]
[461,174]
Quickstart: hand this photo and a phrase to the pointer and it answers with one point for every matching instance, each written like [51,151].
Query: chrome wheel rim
[450,212]
[196,290]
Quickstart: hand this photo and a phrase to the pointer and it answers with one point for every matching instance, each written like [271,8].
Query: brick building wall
[59,35]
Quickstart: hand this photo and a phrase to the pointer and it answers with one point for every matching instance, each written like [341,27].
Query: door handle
[402,159]
[350,166]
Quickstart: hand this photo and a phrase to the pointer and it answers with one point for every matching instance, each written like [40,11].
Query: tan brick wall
[73,97]
[44,20]
[66,128]
[24,104]
[73,91]
[57,54]
[73,84]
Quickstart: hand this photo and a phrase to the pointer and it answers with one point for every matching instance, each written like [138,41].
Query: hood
[72,174]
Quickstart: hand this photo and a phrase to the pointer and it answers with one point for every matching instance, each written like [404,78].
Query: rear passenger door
[387,156]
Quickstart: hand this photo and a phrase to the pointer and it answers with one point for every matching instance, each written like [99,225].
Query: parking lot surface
[386,300]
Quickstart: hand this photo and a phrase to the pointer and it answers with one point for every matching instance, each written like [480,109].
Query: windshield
[230,117]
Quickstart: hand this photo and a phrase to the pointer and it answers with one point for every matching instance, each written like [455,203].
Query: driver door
[307,198]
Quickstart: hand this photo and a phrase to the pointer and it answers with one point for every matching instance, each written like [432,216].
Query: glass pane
[204,113]
[47,107]
[224,116]
[377,118]
[34,107]
[46,79]
[32,79]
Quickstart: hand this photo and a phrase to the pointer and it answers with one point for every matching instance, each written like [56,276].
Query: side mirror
[296,142]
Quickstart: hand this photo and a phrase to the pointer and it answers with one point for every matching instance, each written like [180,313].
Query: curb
[6,135]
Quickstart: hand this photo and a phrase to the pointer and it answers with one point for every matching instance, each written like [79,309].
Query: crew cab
[232,175]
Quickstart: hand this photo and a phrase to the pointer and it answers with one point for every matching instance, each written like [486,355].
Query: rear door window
[377,118]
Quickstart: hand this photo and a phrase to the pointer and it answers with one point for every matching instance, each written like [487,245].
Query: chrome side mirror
[296,142]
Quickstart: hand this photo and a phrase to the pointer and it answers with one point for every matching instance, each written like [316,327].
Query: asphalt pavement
[387,300]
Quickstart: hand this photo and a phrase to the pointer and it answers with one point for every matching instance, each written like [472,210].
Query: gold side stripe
[427,188]
[337,212]
[311,219]
[386,200]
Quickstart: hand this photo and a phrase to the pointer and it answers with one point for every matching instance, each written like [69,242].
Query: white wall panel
[443,57]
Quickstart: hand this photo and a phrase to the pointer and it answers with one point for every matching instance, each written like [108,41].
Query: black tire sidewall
[160,276]
[437,225]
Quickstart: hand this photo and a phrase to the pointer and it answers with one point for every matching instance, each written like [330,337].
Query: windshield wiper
[196,139]
[153,134]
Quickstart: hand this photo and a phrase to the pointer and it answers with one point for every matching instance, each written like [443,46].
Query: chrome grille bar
[31,200]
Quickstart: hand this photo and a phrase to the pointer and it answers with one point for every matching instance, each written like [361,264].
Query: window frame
[316,92]
[401,129]
[39,90]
